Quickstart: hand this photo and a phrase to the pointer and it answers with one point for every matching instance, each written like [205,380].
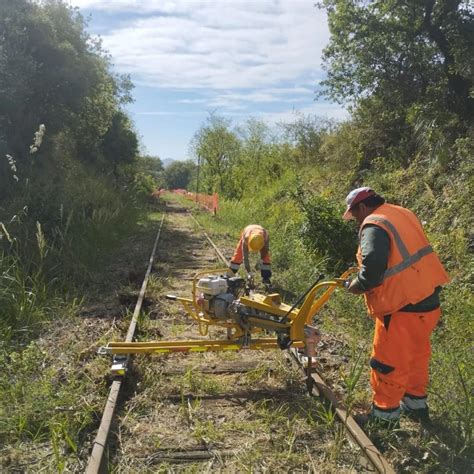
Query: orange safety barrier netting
[204,200]
[157,193]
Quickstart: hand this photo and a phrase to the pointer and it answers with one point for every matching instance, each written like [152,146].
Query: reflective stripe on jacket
[413,270]
[241,253]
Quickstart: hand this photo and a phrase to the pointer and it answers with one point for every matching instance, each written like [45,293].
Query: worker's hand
[353,287]
[250,283]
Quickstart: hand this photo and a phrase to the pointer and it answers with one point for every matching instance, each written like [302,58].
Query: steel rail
[370,451]
[96,458]
[355,431]
[213,245]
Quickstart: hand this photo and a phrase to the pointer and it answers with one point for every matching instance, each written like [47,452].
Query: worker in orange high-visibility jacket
[400,277]
[254,238]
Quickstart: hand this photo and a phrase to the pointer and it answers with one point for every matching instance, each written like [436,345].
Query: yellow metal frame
[166,347]
[291,322]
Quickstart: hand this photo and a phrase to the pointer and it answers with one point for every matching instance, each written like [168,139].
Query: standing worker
[400,277]
[254,238]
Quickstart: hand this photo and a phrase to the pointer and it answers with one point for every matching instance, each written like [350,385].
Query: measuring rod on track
[120,364]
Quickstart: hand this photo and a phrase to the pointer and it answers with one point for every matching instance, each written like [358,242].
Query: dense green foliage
[407,67]
[324,231]
[217,148]
[70,178]
[406,70]
[180,175]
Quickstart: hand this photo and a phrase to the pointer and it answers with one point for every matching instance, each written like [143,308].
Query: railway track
[210,408]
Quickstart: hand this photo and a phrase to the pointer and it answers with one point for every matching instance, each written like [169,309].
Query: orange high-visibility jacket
[413,268]
[242,250]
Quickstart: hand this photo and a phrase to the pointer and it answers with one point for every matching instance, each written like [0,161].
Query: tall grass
[26,296]
[45,264]
[44,268]
[449,217]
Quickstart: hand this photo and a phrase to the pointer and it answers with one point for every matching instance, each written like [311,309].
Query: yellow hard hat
[256,242]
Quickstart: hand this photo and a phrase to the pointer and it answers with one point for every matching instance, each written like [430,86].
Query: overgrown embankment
[70,184]
[308,238]
[53,386]
[71,193]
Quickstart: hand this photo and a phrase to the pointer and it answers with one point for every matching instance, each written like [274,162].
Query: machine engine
[217,293]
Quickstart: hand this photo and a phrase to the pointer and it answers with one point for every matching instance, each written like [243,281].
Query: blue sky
[187,58]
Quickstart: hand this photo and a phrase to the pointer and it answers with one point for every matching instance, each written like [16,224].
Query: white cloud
[239,58]
[218,45]
[134,6]
[321,109]
[192,101]
[241,100]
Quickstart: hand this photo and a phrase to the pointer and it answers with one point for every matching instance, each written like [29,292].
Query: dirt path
[245,411]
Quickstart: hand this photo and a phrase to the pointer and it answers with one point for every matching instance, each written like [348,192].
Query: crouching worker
[254,238]
[400,277]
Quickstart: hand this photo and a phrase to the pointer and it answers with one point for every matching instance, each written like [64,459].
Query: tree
[405,65]
[260,160]
[53,72]
[404,47]
[179,174]
[120,143]
[150,164]
[217,148]
[306,134]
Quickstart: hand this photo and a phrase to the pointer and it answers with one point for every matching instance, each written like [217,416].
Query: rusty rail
[96,458]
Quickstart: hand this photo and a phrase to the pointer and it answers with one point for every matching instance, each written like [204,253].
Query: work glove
[353,287]
[266,275]
[250,283]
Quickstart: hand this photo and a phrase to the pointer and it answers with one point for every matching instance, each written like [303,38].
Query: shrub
[325,232]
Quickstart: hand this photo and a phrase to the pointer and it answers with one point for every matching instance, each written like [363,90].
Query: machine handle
[284,319]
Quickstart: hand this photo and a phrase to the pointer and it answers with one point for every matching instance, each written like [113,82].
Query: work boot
[417,414]
[415,408]
[378,418]
[366,420]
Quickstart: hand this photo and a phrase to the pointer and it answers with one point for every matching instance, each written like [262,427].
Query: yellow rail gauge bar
[166,347]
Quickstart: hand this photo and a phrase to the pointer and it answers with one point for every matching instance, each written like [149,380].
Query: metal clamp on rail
[104,350]
[119,362]
[119,365]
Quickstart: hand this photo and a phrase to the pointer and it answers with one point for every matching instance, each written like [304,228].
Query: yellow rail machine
[230,302]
